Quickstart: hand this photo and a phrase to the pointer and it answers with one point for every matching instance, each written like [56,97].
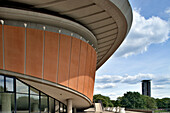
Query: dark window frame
[5,88]
[29,94]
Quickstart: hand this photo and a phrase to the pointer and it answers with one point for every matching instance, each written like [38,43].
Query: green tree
[22,103]
[135,100]
[163,103]
[117,103]
[132,100]
[105,100]
[149,102]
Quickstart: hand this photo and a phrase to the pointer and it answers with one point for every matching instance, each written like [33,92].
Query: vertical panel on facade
[82,66]
[14,43]
[34,52]
[94,71]
[89,84]
[74,63]
[91,74]
[87,71]
[1,49]
[64,59]
[51,56]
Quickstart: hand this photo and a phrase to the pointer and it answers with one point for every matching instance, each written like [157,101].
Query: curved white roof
[104,23]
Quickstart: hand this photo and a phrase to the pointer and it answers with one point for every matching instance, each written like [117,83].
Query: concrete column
[6,103]
[69,106]
[35,107]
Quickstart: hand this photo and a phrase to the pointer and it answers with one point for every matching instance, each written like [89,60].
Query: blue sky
[144,54]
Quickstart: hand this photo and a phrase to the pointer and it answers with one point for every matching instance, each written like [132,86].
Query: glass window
[1,83]
[34,103]
[61,108]
[22,101]
[57,106]
[21,88]
[7,103]
[38,101]
[44,103]
[9,84]
[65,109]
[51,105]
[34,91]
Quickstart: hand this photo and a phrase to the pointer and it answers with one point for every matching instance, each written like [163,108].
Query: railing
[162,110]
[167,110]
[140,110]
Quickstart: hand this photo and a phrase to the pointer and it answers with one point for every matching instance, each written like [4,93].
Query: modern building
[146,87]
[50,50]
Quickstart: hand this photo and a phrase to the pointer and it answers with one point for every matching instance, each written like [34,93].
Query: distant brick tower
[146,87]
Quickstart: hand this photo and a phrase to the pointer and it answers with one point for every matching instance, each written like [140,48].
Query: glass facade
[18,97]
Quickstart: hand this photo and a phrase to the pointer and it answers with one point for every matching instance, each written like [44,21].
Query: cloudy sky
[144,54]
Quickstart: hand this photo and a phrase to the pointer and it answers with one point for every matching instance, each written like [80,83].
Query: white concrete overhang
[54,90]
[104,23]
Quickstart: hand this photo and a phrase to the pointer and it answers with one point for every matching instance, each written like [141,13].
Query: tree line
[133,100]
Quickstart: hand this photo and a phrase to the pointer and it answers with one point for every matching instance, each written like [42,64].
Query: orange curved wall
[50,56]
[1,49]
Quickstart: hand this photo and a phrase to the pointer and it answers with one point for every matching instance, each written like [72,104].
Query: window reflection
[25,99]
[9,84]
[22,101]
[57,107]
[21,88]
[34,103]
[1,83]
[34,91]
[65,109]
[51,105]
[44,103]
[61,108]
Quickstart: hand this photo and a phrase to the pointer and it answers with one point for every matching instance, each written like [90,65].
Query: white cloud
[116,85]
[158,87]
[167,10]
[162,80]
[129,79]
[108,78]
[143,33]
[137,78]
[105,86]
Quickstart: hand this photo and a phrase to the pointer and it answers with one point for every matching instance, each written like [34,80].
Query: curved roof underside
[108,20]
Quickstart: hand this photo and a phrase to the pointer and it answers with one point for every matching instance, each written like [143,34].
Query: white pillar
[69,106]
[6,102]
